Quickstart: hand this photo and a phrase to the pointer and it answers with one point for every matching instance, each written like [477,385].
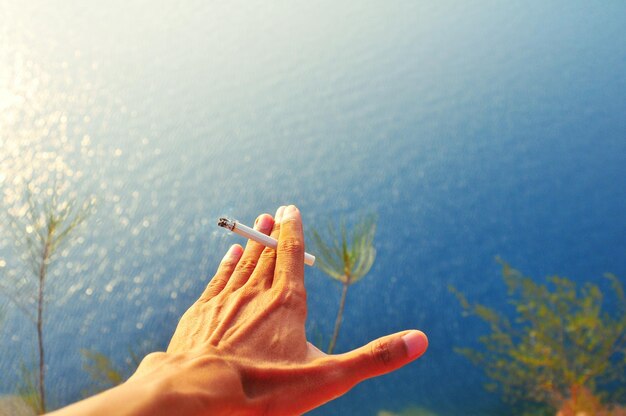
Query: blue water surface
[473,130]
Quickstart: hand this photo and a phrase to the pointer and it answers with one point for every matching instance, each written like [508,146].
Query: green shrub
[561,345]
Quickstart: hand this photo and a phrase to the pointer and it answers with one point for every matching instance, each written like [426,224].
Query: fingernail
[290,212]
[279,214]
[415,343]
[263,223]
[235,251]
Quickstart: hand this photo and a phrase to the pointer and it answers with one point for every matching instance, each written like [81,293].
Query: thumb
[383,355]
[326,377]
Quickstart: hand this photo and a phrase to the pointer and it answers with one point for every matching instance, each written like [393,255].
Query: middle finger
[263,275]
[250,257]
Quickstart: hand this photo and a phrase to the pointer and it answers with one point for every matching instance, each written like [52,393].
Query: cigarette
[245,231]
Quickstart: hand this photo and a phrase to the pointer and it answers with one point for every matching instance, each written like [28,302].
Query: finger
[224,271]
[250,257]
[381,356]
[263,275]
[289,273]
[329,376]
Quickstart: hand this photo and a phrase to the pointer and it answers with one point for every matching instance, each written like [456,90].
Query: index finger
[289,272]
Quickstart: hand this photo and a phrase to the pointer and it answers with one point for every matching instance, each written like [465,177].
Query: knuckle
[214,287]
[246,266]
[245,294]
[218,282]
[228,264]
[268,254]
[291,245]
[292,297]
[208,294]
[380,352]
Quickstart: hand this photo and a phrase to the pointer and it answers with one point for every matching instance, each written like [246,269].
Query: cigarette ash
[226,223]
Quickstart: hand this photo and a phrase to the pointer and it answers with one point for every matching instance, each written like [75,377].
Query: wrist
[189,384]
[163,388]
[152,390]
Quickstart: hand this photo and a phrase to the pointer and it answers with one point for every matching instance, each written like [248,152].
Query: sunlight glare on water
[472,132]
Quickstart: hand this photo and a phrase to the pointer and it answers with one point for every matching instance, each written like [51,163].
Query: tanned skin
[241,348]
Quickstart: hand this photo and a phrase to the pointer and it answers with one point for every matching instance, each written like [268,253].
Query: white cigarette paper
[252,234]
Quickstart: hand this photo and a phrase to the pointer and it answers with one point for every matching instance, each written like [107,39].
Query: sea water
[471,130]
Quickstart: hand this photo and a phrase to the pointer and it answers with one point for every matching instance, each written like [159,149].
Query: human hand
[241,348]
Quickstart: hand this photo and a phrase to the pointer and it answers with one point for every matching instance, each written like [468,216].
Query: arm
[241,348]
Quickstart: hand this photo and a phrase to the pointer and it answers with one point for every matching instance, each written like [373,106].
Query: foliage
[28,389]
[345,258]
[560,342]
[410,411]
[105,373]
[101,369]
[40,227]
